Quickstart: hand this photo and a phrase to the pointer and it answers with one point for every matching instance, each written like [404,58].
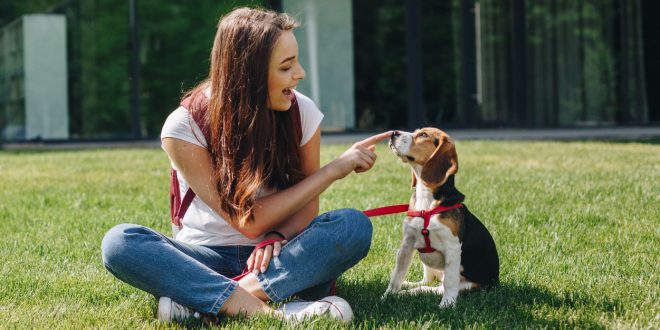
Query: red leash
[370,213]
[426,214]
[385,210]
[261,244]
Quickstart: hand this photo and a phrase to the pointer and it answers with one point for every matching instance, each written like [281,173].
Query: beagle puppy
[455,247]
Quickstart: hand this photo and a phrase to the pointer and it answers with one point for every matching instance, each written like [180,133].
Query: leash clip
[425,232]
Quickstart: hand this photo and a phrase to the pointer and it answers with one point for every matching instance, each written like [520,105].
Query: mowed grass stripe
[576,223]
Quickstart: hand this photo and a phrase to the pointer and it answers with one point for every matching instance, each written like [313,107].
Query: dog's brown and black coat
[479,259]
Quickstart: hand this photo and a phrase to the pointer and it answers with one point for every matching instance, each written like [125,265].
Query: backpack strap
[178,207]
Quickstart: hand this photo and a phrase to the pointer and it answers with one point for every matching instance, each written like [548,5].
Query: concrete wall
[34,100]
[325,41]
[46,100]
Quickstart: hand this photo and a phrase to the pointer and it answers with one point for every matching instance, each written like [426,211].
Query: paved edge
[611,134]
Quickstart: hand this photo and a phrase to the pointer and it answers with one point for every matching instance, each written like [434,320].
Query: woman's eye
[285,69]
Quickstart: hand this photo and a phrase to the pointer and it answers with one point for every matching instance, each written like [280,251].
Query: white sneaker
[168,310]
[332,306]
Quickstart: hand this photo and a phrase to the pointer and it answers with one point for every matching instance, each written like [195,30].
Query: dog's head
[430,151]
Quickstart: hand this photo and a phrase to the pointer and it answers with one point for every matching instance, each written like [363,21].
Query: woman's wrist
[275,233]
[331,171]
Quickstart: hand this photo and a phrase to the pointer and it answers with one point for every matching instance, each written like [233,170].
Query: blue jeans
[199,277]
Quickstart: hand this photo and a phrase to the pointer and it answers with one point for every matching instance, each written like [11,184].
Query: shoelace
[333,305]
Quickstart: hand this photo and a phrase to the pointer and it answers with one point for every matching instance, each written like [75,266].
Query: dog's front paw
[447,302]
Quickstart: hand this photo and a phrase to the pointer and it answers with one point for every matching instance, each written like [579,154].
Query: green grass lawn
[577,225]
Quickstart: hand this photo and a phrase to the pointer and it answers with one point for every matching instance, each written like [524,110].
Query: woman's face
[284,72]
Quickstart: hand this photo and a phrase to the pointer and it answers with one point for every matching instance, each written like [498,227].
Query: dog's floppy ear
[442,163]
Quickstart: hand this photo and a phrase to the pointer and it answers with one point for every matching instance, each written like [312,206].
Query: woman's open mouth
[288,93]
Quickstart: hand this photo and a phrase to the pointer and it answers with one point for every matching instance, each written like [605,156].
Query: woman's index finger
[375,139]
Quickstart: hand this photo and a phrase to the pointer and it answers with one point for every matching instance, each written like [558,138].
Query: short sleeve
[310,117]
[180,125]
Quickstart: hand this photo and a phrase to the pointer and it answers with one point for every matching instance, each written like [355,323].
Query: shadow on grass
[506,306]
[500,307]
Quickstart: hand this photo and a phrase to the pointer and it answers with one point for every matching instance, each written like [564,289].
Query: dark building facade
[516,63]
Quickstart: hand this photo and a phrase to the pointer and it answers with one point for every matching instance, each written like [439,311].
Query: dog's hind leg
[423,289]
[430,276]
[465,285]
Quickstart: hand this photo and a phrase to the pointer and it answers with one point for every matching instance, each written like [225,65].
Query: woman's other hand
[260,258]
[360,157]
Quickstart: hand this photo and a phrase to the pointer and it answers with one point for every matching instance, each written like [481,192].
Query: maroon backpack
[178,206]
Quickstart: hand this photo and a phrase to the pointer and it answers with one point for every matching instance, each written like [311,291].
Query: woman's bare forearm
[269,211]
[273,210]
[296,223]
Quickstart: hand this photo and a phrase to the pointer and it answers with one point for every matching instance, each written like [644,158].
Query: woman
[255,179]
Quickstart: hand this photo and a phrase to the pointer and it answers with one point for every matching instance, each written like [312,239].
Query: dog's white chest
[413,229]
[435,260]
[438,233]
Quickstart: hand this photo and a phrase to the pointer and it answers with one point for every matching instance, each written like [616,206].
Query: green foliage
[175,44]
[576,226]
[177,41]
[381,89]
[579,35]
[380,64]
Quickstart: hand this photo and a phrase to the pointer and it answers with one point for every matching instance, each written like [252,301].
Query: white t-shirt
[201,225]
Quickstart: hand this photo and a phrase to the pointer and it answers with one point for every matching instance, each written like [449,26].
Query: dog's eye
[423,135]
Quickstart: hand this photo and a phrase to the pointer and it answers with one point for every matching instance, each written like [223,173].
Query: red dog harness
[426,214]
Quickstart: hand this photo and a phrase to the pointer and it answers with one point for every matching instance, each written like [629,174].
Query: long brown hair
[251,146]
